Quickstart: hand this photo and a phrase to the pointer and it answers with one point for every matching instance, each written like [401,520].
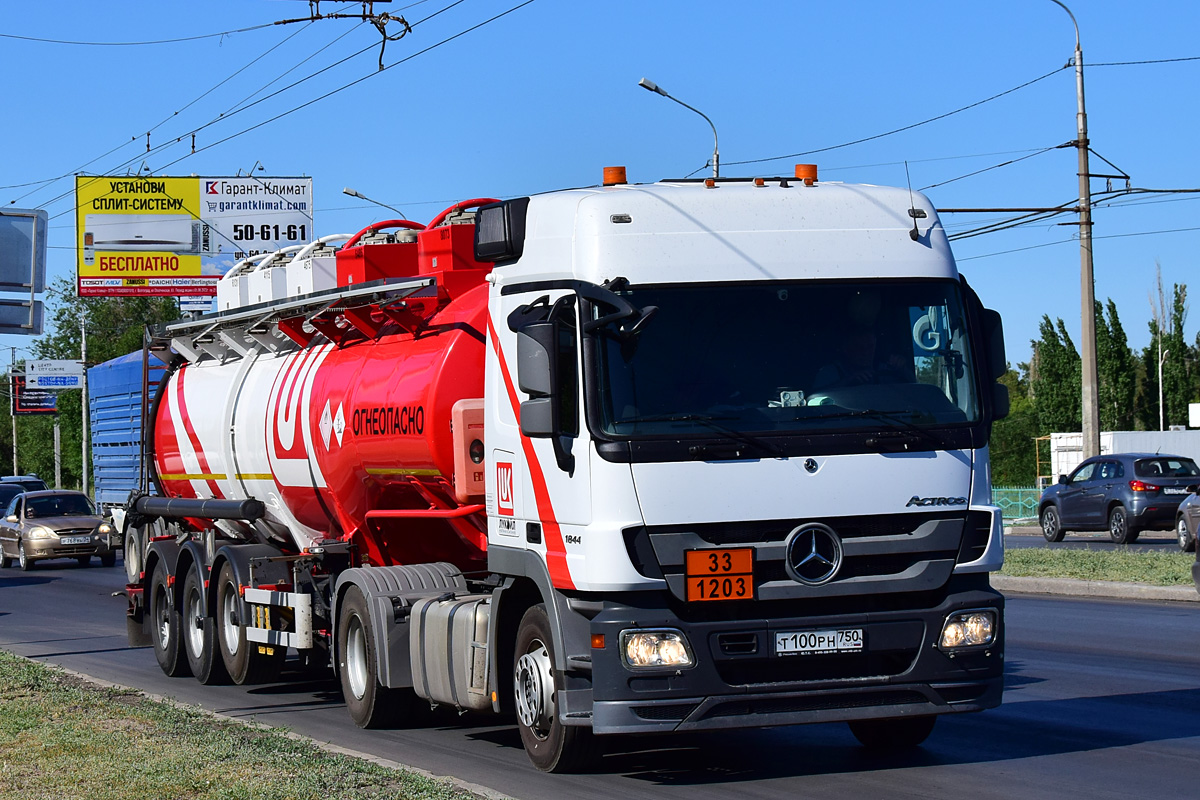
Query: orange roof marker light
[614,176]
[807,173]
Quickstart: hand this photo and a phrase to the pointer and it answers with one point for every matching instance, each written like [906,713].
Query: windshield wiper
[889,416]
[711,422]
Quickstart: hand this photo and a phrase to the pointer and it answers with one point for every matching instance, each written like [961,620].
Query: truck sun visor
[500,230]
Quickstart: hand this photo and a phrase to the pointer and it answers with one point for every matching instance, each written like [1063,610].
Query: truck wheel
[165,625]
[371,704]
[1119,529]
[135,546]
[246,662]
[199,634]
[550,745]
[1187,542]
[1052,529]
[892,734]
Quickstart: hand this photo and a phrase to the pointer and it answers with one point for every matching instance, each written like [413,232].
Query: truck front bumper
[737,680]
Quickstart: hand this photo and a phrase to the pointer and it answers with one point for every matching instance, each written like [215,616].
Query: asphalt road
[1102,701]
[1148,541]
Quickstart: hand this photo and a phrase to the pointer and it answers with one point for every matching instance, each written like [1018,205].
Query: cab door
[1072,500]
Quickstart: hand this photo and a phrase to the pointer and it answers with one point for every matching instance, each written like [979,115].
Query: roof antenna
[913,211]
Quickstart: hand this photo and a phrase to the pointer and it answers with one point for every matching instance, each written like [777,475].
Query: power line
[337,90]
[905,128]
[996,166]
[1068,241]
[1147,61]
[137,44]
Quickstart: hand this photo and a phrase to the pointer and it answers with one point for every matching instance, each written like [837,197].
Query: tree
[1177,369]
[114,327]
[1014,460]
[1117,370]
[1055,385]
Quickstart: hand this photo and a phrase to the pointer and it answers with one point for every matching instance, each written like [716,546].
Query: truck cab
[739,440]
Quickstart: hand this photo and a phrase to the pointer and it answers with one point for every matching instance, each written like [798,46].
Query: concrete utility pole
[12,387]
[83,357]
[1087,283]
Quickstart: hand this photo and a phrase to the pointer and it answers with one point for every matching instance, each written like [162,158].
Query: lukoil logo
[504,489]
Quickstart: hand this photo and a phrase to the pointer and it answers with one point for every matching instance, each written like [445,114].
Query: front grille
[815,668]
[883,554]
[738,644]
[792,705]
[665,713]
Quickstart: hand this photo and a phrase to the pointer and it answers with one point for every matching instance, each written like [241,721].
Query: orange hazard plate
[720,574]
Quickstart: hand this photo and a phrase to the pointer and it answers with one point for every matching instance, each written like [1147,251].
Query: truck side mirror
[547,371]
[537,377]
[993,328]
[1000,401]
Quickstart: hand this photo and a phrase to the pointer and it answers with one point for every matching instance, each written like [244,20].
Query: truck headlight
[968,629]
[38,532]
[661,648]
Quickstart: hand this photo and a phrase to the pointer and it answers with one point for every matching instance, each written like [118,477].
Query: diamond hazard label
[327,425]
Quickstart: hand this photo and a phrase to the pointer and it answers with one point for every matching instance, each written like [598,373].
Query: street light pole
[651,86]
[1162,356]
[361,196]
[1090,404]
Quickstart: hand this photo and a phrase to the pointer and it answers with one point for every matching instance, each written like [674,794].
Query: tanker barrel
[248,509]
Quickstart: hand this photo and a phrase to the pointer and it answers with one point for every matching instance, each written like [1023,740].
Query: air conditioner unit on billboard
[181,234]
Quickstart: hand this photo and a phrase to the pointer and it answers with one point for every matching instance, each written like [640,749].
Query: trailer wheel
[135,546]
[371,704]
[550,745]
[199,634]
[165,625]
[246,662]
[900,733]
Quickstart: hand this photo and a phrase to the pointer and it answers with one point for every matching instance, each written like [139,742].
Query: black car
[1123,493]
[28,483]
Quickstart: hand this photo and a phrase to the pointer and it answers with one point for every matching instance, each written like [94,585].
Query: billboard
[31,401]
[176,237]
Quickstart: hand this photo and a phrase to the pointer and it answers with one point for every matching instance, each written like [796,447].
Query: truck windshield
[801,357]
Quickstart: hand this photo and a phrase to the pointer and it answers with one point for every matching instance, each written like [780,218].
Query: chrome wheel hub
[533,682]
[356,658]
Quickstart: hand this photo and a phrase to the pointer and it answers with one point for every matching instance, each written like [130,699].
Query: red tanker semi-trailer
[658,531]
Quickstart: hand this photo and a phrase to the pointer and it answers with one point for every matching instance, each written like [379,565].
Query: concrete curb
[1109,589]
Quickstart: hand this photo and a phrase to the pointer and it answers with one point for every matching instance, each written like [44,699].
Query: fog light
[969,629]
[665,648]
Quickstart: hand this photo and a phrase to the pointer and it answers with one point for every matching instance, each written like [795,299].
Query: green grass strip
[63,737]
[1154,568]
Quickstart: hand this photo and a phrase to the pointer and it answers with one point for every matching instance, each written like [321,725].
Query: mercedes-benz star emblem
[813,554]
[810,464]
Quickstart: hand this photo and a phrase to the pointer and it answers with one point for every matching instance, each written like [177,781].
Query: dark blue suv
[1123,493]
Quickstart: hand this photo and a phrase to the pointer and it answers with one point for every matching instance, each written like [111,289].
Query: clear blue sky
[546,96]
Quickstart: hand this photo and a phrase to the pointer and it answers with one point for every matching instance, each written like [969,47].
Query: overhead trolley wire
[329,93]
[901,129]
[137,44]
